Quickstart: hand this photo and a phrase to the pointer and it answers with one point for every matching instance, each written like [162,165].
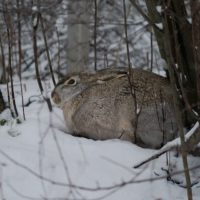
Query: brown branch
[35,50]
[20,57]
[95,35]
[58,53]
[35,19]
[148,19]
[7,19]
[152,50]
[47,49]
[3,60]
[130,74]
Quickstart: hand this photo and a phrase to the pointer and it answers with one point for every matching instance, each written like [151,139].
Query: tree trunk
[78,35]
[195,9]
[182,49]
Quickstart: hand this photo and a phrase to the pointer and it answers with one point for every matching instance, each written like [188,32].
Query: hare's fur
[102,106]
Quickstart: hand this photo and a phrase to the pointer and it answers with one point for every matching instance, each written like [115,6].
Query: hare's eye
[71,82]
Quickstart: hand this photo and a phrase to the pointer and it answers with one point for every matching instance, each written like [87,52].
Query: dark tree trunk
[195,10]
[2,103]
[178,41]
[175,41]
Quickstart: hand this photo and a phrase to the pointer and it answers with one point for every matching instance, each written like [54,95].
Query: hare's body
[105,107]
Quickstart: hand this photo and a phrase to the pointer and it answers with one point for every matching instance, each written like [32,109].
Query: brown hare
[110,104]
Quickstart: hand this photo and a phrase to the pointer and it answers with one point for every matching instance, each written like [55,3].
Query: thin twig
[35,49]
[130,75]
[95,35]
[152,50]
[47,49]
[3,60]
[9,35]
[20,57]
[144,15]
[58,53]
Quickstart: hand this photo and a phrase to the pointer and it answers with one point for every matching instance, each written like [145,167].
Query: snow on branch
[190,141]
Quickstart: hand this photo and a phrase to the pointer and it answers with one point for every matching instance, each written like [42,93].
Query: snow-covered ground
[39,161]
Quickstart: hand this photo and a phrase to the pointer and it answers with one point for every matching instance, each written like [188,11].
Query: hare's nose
[55,97]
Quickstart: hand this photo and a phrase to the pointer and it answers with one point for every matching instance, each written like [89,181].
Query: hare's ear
[73,80]
[109,77]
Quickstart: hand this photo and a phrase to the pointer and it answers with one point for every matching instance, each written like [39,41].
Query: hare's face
[66,89]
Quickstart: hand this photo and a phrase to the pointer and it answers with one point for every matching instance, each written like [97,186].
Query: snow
[159,25]
[41,161]
[177,141]
[159,9]
[34,8]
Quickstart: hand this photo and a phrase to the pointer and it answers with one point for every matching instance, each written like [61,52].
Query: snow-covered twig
[189,141]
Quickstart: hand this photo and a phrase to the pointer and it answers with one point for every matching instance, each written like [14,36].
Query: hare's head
[67,88]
